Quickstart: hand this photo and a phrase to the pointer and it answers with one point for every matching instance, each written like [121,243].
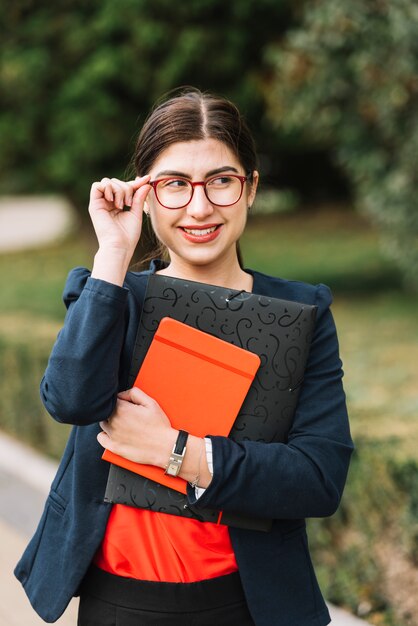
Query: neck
[222,273]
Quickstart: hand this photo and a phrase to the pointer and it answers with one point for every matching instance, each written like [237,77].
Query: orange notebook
[199,381]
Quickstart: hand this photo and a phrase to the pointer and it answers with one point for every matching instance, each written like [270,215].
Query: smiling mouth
[200,232]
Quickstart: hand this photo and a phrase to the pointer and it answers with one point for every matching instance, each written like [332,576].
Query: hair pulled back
[189,116]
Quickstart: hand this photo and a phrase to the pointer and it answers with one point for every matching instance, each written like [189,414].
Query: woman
[196,180]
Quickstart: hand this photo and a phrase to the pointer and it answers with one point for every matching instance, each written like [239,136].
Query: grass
[32,281]
[333,247]
[379,344]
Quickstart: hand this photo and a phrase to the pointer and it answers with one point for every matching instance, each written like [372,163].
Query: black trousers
[108,600]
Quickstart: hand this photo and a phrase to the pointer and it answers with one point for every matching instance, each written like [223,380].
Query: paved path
[33,221]
[25,477]
[15,609]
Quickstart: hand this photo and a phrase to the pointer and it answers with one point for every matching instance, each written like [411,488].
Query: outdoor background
[330,91]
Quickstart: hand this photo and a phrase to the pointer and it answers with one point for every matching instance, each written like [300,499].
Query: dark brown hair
[192,115]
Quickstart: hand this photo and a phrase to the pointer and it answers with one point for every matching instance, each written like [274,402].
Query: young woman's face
[200,233]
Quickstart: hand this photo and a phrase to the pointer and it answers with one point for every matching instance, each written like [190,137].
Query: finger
[118,188]
[127,191]
[98,189]
[105,187]
[140,180]
[105,426]
[136,395]
[105,441]
[108,192]
[136,184]
[111,190]
[139,198]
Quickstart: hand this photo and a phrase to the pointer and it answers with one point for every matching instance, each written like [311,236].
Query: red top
[146,545]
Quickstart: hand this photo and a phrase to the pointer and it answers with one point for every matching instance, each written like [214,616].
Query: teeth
[200,232]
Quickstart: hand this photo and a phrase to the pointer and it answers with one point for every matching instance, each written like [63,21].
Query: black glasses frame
[202,183]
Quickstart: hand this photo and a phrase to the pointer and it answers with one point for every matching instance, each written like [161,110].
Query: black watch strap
[177,455]
[180,442]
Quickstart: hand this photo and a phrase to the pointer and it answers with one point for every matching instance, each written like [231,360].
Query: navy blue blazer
[305,477]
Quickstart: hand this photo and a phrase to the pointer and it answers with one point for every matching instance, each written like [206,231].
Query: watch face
[173,469]
[174,464]
[176,459]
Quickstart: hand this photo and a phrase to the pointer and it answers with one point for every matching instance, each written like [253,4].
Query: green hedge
[24,351]
[373,535]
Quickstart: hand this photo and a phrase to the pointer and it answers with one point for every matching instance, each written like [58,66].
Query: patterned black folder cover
[279,331]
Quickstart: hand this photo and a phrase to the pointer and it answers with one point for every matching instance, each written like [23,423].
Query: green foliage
[25,343]
[272,201]
[406,477]
[299,246]
[76,78]
[347,79]
[31,282]
[31,314]
[354,548]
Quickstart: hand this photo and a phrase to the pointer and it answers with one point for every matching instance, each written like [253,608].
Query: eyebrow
[219,170]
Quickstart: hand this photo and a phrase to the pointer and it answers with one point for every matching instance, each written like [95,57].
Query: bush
[77,77]
[371,536]
[271,201]
[24,352]
[346,79]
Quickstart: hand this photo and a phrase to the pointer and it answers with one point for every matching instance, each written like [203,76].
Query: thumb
[138,200]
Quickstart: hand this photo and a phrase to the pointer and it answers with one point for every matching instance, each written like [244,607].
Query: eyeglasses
[177,193]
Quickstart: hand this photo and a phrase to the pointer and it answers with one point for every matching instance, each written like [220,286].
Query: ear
[253,191]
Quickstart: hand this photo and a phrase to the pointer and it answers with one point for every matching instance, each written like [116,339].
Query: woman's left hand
[138,429]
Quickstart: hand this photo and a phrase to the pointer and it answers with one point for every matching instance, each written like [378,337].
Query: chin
[202,258]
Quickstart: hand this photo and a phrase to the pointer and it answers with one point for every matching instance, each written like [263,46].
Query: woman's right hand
[114,227]
[117,231]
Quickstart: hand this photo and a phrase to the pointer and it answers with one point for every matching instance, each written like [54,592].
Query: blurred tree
[347,79]
[77,78]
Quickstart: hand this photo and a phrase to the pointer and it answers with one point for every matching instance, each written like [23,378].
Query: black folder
[279,331]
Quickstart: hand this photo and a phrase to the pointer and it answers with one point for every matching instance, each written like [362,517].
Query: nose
[199,206]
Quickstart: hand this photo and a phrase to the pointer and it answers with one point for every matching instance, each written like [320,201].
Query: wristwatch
[177,454]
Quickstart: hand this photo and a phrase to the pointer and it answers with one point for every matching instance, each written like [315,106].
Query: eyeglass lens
[177,192]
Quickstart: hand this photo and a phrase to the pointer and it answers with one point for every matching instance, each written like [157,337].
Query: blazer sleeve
[304,477]
[81,381]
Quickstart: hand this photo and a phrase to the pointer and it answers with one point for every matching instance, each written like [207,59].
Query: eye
[220,181]
[174,183]
[178,182]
